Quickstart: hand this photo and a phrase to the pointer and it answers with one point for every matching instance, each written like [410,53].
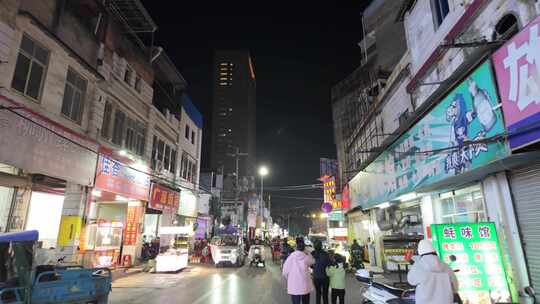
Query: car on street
[227,250]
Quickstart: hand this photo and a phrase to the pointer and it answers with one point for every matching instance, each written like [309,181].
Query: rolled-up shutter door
[525,183]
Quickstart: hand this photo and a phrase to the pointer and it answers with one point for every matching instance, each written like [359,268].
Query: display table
[172,260]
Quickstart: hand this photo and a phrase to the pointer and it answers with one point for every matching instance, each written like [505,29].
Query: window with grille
[167,158]
[440,10]
[138,83]
[107,115]
[74,94]
[119,125]
[30,68]
[128,74]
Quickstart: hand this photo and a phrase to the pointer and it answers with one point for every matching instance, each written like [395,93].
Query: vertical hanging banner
[131,230]
[482,275]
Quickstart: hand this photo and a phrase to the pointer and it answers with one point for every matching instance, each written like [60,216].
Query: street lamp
[263,171]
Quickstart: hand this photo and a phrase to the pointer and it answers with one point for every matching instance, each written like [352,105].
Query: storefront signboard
[115,177]
[463,132]
[164,198]
[517,67]
[36,145]
[188,204]
[200,232]
[336,215]
[482,275]
[131,230]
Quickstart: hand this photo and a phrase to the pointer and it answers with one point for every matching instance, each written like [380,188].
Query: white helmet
[425,246]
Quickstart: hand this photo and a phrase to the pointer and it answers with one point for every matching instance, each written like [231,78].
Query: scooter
[356,259]
[379,293]
[256,256]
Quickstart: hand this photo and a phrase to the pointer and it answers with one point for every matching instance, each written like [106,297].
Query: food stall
[175,257]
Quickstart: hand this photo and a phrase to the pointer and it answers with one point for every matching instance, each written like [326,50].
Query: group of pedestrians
[327,273]
[435,282]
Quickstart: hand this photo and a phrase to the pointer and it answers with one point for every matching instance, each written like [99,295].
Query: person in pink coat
[297,275]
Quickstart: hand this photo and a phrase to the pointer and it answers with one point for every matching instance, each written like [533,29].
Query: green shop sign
[482,276]
[459,134]
[336,215]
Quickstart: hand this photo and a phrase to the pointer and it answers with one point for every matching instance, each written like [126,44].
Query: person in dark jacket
[320,279]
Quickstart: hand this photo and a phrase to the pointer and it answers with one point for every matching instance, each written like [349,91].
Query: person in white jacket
[435,281]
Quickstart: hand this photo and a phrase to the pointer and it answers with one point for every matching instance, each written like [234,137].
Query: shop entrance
[44,216]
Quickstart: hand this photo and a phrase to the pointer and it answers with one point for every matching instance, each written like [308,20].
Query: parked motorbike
[379,293]
[356,259]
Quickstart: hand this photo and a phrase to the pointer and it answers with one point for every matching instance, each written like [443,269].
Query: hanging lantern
[326,207]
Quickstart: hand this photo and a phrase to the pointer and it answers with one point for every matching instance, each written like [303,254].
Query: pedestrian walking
[435,281]
[320,279]
[336,273]
[296,273]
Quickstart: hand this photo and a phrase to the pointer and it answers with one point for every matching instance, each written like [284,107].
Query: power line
[159,178]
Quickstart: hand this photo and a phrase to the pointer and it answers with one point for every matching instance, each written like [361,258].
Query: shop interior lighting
[384,205]
[96,193]
[407,197]
[323,215]
[122,153]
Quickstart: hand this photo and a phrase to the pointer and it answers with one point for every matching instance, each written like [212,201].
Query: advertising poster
[518,77]
[461,133]
[482,275]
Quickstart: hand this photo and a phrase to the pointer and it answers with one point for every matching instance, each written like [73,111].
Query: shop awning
[508,163]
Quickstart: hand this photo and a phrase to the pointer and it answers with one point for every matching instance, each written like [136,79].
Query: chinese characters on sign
[164,199]
[478,257]
[329,187]
[115,177]
[36,145]
[517,67]
[444,143]
[131,231]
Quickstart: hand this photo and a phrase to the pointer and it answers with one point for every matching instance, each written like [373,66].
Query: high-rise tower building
[233,114]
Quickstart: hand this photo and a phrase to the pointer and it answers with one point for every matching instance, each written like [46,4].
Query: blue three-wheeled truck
[22,281]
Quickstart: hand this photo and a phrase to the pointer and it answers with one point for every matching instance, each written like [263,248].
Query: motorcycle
[256,256]
[356,259]
[380,293]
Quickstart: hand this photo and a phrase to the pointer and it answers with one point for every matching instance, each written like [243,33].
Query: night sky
[300,49]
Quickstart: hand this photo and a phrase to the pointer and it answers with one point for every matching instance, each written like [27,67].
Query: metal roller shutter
[525,183]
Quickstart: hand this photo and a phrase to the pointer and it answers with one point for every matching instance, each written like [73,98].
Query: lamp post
[263,171]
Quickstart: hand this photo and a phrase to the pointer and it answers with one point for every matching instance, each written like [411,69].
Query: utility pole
[237,154]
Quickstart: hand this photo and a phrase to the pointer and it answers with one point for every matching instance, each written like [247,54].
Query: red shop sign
[131,231]
[115,177]
[164,198]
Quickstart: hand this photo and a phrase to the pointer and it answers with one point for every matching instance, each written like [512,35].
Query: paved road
[206,284]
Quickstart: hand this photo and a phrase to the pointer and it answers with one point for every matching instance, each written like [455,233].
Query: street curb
[122,273]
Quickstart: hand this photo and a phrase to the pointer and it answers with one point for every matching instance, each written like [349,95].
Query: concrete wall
[50,102]
[423,37]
